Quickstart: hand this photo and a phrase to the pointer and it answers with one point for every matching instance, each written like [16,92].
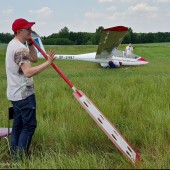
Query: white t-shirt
[129,50]
[18,85]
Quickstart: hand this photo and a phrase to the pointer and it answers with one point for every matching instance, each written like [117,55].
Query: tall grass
[135,99]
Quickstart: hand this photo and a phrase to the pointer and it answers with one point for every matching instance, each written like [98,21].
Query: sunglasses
[28,29]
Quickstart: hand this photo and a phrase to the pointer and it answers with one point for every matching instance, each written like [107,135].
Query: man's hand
[51,56]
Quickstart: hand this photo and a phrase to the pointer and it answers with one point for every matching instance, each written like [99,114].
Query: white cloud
[7,11]
[163,1]
[143,10]
[39,25]
[142,7]
[104,1]
[129,1]
[111,8]
[43,12]
[114,16]
[94,15]
[140,15]
[133,12]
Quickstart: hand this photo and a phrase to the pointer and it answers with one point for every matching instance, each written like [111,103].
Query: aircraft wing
[110,39]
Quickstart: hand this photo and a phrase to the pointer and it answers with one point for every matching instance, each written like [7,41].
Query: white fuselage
[125,61]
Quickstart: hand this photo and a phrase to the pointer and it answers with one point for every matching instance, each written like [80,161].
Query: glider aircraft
[107,54]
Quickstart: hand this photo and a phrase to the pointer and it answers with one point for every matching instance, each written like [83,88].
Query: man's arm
[30,71]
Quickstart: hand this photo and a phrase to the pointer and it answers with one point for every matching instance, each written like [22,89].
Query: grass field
[135,99]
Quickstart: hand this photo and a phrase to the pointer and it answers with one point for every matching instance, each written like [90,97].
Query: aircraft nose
[142,59]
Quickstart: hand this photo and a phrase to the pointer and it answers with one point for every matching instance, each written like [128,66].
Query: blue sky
[87,15]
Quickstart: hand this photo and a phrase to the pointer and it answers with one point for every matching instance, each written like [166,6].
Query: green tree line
[66,37]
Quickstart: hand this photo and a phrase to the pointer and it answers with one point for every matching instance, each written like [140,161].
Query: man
[20,87]
[129,50]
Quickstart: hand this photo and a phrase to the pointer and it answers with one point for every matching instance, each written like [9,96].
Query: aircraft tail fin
[110,39]
[37,39]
